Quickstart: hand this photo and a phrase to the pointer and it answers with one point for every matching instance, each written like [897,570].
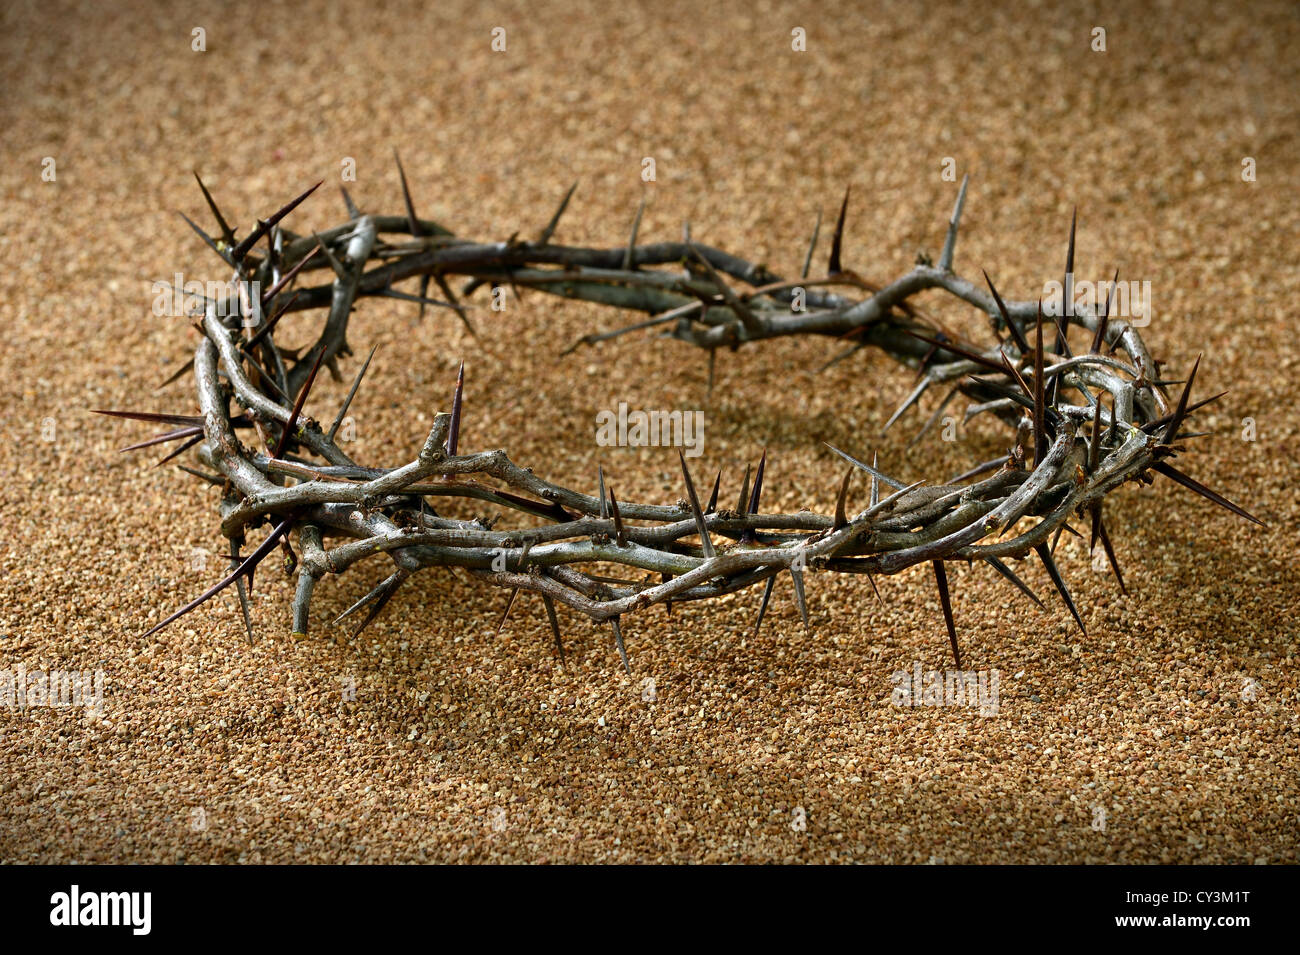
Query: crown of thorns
[1084,423]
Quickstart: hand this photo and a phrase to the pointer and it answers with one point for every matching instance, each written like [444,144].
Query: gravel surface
[1169,734]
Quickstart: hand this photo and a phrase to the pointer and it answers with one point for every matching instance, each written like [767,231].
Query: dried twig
[1070,450]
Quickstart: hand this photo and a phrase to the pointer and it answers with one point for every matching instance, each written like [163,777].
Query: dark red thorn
[743,507]
[1110,555]
[619,539]
[453,429]
[244,247]
[297,405]
[181,450]
[176,375]
[155,417]
[762,607]
[701,527]
[941,578]
[841,515]
[1152,426]
[412,222]
[1171,472]
[956,349]
[514,592]
[604,506]
[837,241]
[1099,338]
[758,484]
[210,242]
[227,234]
[1180,412]
[288,277]
[176,435]
[713,496]
[1012,576]
[1067,295]
[555,624]
[1045,556]
[1012,327]
[244,569]
[871,579]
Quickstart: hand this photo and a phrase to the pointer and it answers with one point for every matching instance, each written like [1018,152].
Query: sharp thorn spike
[1049,562]
[796,575]
[833,266]
[555,624]
[950,240]
[618,640]
[700,526]
[945,602]
[1171,472]
[762,607]
[453,430]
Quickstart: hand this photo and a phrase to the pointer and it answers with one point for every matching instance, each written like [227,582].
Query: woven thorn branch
[1084,423]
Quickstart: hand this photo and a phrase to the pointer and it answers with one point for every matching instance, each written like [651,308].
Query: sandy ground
[1169,734]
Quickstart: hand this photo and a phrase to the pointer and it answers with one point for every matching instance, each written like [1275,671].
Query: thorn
[758,484]
[812,246]
[244,247]
[700,526]
[1067,296]
[453,430]
[841,518]
[246,568]
[555,624]
[347,402]
[1171,429]
[1171,472]
[618,519]
[604,506]
[762,607]
[796,576]
[227,235]
[871,579]
[297,405]
[950,241]
[549,231]
[412,222]
[907,403]
[1012,576]
[211,243]
[176,375]
[618,640]
[1012,327]
[353,211]
[629,253]
[874,499]
[941,578]
[1099,338]
[742,508]
[1046,556]
[181,450]
[514,592]
[713,497]
[875,474]
[951,346]
[1110,555]
[833,266]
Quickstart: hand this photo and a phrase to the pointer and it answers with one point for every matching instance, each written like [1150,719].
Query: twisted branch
[1071,447]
